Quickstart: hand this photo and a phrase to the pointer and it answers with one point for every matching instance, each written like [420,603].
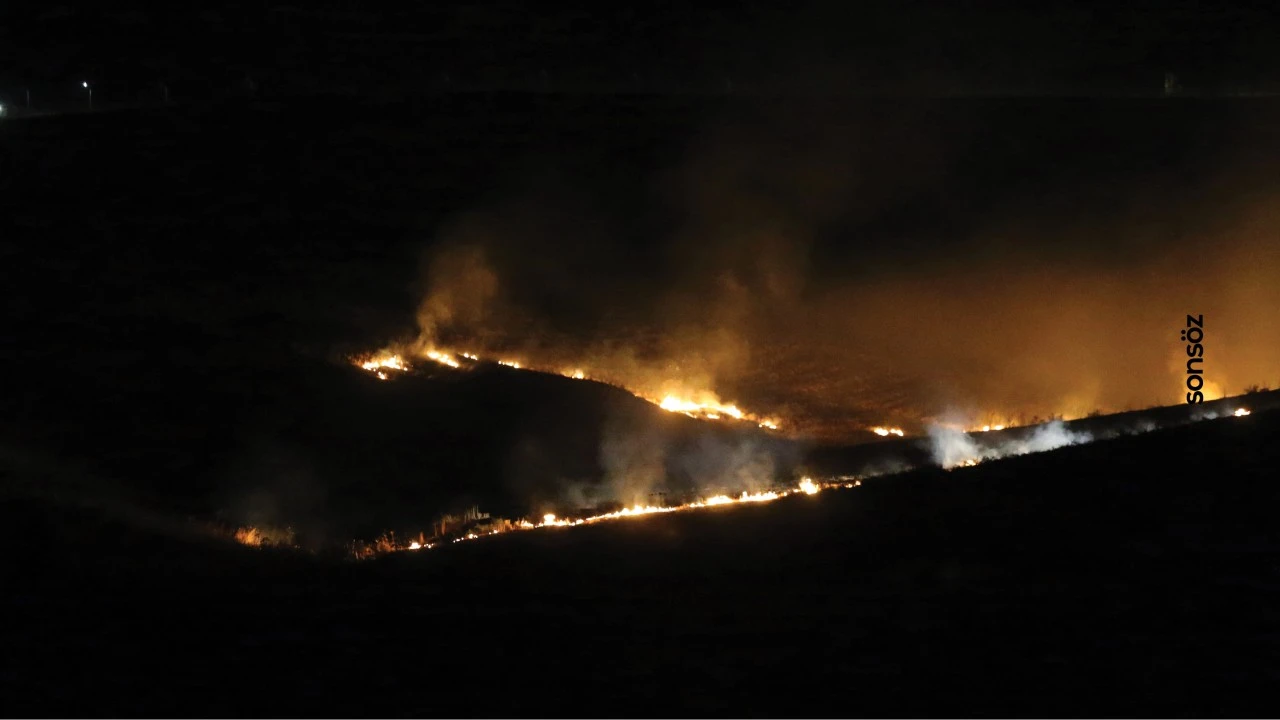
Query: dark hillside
[1133,576]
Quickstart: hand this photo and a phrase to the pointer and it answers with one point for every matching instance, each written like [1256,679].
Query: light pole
[86,86]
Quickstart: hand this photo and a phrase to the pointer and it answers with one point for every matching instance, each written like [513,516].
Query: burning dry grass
[885,432]
[953,446]
[704,405]
[388,543]
[952,449]
[264,536]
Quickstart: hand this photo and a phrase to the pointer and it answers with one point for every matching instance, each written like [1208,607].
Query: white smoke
[1202,413]
[953,448]
[1044,438]
[1145,426]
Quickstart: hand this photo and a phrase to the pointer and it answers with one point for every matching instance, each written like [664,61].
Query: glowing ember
[1240,412]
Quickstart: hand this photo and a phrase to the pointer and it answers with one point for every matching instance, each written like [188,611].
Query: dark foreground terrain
[1136,576]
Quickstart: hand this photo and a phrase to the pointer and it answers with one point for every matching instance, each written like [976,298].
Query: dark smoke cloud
[852,267]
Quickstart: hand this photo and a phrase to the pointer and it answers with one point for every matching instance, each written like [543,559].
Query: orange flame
[808,486]
[706,405]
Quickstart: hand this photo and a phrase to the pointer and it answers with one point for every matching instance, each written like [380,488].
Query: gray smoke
[953,448]
[1044,438]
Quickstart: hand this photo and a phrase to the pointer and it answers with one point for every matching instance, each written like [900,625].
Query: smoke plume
[844,267]
[953,448]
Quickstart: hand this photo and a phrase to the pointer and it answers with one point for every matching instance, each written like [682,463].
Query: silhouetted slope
[879,456]
[376,455]
[336,453]
[1125,577]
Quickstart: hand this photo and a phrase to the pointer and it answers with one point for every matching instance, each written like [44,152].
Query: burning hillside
[485,527]
[946,447]
[703,404]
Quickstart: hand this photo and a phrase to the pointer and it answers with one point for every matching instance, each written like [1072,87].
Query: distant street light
[85,84]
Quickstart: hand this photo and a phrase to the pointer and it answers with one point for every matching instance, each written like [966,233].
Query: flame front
[706,406]
[671,403]
[443,358]
[701,405]
[378,363]
[387,543]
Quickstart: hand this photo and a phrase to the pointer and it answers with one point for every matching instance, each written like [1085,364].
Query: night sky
[914,47]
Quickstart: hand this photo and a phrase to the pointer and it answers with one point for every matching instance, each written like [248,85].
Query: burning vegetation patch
[703,405]
[264,536]
[488,527]
[951,448]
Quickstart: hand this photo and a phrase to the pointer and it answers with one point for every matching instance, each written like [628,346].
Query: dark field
[1129,577]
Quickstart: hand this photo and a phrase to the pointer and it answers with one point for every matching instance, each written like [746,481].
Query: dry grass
[265,536]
